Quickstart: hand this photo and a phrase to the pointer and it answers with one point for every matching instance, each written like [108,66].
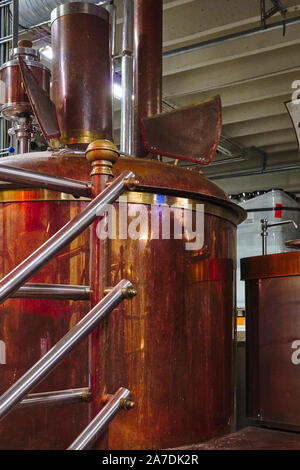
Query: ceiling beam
[260,66]
[280,148]
[204,22]
[255,110]
[232,50]
[269,138]
[247,92]
[288,159]
[258,126]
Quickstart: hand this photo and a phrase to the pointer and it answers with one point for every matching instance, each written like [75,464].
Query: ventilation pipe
[147,65]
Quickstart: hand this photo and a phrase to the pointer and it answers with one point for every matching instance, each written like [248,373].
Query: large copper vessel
[273,339]
[171,345]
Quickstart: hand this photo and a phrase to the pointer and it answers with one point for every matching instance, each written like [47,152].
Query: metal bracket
[276,8]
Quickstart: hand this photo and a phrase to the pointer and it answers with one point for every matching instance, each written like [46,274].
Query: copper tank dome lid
[154,176]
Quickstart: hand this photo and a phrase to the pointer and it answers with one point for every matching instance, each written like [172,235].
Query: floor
[253,438]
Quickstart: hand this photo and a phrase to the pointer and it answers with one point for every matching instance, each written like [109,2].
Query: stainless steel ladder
[12,285]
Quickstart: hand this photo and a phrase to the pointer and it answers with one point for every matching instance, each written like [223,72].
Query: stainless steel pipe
[15,23]
[99,424]
[127,104]
[30,178]
[52,291]
[111,8]
[58,398]
[24,144]
[18,276]
[63,347]
[264,231]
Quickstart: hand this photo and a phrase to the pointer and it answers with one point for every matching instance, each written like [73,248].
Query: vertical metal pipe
[264,230]
[2,46]
[15,23]
[1,133]
[100,276]
[147,65]
[127,102]
[2,60]
[111,8]
[54,356]
[264,235]
[24,145]
[264,243]
[99,424]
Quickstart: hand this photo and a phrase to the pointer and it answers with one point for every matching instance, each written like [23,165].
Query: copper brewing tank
[16,102]
[273,339]
[171,345]
[81,74]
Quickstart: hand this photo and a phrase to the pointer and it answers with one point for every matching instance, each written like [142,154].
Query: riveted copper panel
[191,133]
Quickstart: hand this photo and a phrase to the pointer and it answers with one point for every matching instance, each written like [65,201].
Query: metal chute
[42,106]
[191,133]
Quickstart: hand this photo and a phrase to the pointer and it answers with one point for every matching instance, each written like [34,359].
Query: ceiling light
[47,52]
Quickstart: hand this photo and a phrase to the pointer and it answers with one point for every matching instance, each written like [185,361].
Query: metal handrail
[57,398]
[52,291]
[31,179]
[54,356]
[99,424]
[19,275]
